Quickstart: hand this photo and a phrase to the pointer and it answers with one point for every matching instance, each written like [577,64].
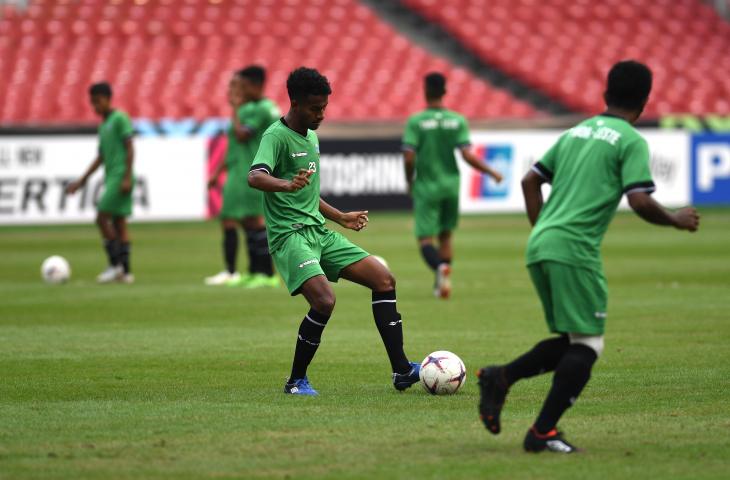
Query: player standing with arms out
[243,205]
[116,153]
[305,252]
[429,141]
[590,167]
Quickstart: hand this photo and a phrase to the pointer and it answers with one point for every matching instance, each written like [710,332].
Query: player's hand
[126,186]
[687,219]
[497,177]
[73,187]
[355,220]
[299,181]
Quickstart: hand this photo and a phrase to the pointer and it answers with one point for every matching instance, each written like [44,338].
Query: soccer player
[252,115]
[305,252]
[590,167]
[116,153]
[429,142]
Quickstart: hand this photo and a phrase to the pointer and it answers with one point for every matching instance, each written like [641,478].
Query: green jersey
[591,166]
[255,116]
[433,135]
[113,132]
[282,153]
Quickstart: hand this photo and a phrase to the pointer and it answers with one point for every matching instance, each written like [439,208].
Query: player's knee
[385,283]
[594,342]
[324,303]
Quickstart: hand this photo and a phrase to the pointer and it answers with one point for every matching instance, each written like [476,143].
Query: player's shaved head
[628,86]
[101,88]
[256,74]
[304,82]
[434,85]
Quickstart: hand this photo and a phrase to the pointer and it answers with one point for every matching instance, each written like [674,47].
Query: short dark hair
[101,88]
[255,73]
[304,81]
[628,85]
[435,85]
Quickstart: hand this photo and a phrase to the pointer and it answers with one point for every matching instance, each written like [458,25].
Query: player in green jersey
[305,252]
[243,205]
[590,168]
[116,154]
[430,140]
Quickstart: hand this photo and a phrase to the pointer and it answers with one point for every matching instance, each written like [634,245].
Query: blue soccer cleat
[300,386]
[401,381]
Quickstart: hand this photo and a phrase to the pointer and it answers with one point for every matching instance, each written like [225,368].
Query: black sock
[571,375]
[543,357]
[259,252]
[310,333]
[230,248]
[431,256]
[112,251]
[390,326]
[124,252]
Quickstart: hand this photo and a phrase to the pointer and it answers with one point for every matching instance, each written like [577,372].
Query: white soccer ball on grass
[55,269]
[442,373]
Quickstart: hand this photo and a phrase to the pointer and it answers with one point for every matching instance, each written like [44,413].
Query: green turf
[168,378]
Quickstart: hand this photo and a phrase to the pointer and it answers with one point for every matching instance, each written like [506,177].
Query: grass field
[168,378]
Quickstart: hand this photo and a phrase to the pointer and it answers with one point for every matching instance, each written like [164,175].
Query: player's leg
[372,274]
[495,380]
[580,299]
[426,214]
[120,226]
[111,246]
[230,215]
[448,218]
[261,266]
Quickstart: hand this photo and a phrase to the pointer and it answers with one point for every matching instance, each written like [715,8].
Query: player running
[429,142]
[590,167]
[252,115]
[305,252]
[116,153]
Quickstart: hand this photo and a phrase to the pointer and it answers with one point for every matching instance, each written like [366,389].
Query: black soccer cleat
[552,441]
[493,390]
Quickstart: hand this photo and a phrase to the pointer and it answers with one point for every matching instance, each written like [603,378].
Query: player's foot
[401,381]
[552,441]
[238,280]
[127,278]
[111,274]
[259,280]
[222,278]
[299,386]
[443,281]
[493,391]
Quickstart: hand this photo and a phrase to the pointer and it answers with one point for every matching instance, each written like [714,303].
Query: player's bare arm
[213,182]
[126,185]
[650,210]
[532,191]
[352,220]
[478,164]
[74,186]
[261,180]
[409,162]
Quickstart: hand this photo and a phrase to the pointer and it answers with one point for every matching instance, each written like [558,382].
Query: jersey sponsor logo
[434,123]
[606,134]
[600,314]
[500,157]
[299,154]
[297,226]
[308,262]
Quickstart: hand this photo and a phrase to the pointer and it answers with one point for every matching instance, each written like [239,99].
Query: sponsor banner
[354,174]
[512,153]
[711,169]
[35,170]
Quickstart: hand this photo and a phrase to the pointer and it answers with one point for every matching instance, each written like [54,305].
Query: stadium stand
[565,47]
[173,58]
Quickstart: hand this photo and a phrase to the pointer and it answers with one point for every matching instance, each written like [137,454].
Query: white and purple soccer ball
[55,269]
[442,373]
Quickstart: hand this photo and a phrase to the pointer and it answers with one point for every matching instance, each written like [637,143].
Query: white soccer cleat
[127,278]
[223,278]
[111,274]
[443,281]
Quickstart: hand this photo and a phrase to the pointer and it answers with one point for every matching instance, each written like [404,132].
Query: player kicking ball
[305,252]
[429,142]
[116,153]
[590,167]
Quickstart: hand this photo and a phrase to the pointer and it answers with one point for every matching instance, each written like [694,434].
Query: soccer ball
[55,269]
[442,373]
[381,260]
